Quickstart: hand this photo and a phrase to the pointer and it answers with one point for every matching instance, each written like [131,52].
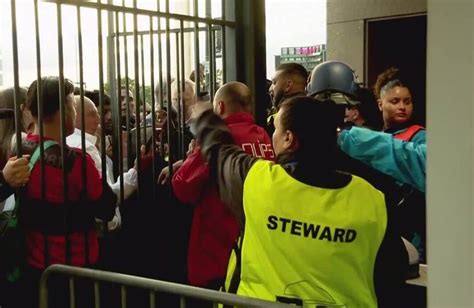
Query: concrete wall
[345,25]
[450,170]
[450,118]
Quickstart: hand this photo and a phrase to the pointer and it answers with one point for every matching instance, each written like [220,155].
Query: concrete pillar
[450,132]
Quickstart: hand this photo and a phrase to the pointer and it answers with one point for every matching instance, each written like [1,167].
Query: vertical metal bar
[153,111]
[212,59]
[72,294]
[152,299]
[111,79]
[223,9]
[170,103]
[250,52]
[62,99]
[81,81]
[160,58]
[182,302]
[83,118]
[197,64]
[39,96]
[16,80]
[231,54]
[39,91]
[137,91]
[101,105]
[101,99]
[223,53]
[123,292]
[223,44]
[117,141]
[180,100]
[208,13]
[160,79]
[143,86]
[96,294]
[127,86]
[183,87]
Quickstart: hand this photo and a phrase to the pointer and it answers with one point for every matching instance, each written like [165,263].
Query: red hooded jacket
[214,229]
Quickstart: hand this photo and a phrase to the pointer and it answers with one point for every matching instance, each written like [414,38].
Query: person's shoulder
[266,166]
[78,154]
[53,156]
[361,184]
[359,132]
[259,129]
[420,136]
[76,159]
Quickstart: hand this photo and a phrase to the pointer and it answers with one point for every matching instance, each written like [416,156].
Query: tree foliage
[131,85]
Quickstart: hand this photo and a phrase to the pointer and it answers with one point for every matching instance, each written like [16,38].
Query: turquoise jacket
[404,161]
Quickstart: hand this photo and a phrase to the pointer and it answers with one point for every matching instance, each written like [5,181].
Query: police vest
[308,245]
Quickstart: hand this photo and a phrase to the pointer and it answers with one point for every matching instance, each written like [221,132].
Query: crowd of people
[319,207]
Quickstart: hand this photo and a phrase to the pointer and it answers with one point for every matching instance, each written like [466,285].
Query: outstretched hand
[165,172]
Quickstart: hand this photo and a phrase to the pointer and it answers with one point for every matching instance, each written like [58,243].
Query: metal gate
[161,38]
[139,50]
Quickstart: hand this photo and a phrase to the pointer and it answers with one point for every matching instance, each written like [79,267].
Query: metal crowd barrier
[152,285]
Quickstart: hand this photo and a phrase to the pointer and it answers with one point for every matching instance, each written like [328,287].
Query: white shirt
[129,177]
[8,204]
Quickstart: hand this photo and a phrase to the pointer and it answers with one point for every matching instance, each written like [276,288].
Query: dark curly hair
[388,79]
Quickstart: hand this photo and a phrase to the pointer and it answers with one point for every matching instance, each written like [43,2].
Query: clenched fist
[17,172]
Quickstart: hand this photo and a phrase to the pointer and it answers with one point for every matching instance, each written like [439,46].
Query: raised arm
[404,161]
[228,164]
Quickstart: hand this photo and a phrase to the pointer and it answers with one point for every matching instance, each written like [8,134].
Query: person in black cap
[364,112]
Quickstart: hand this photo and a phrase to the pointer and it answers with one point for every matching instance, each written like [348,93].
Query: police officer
[312,234]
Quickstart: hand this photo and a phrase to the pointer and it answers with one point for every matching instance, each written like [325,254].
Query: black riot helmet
[333,77]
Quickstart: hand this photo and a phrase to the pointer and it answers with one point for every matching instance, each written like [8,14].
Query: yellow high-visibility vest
[309,245]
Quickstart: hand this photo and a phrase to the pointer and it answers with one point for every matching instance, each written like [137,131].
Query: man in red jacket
[214,229]
[59,224]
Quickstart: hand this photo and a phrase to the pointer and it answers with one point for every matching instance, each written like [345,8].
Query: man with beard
[289,80]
